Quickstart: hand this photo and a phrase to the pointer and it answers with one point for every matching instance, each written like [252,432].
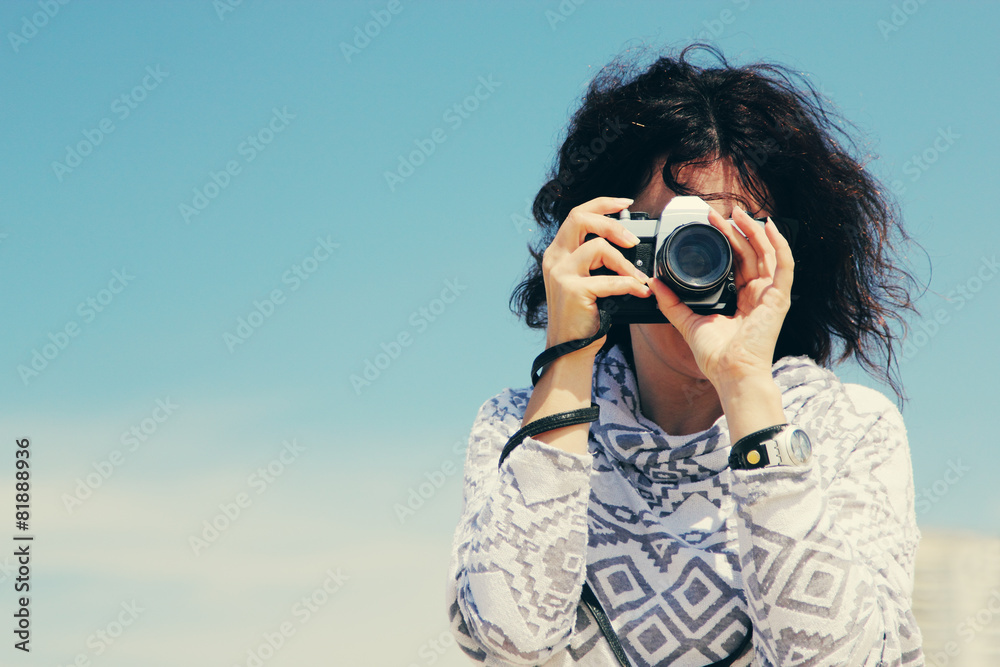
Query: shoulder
[835,409]
[851,425]
[868,401]
[802,381]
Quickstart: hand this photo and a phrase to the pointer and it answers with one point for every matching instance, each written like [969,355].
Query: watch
[781,445]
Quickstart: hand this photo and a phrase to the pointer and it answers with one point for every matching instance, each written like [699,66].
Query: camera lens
[694,259]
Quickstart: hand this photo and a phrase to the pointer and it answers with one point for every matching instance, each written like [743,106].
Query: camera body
[686,252]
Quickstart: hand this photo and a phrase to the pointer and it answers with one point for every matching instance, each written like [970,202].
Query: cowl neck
[630,437]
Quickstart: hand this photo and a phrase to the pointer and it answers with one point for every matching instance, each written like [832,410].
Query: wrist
[573,370]
[553,338]
[568,379]
[743,383]
[565,385]
[750,403]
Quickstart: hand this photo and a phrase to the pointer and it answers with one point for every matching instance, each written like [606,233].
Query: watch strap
[749,452]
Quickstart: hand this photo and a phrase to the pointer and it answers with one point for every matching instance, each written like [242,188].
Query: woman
[693,556]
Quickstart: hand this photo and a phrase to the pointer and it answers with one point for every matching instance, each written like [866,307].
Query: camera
[686,252]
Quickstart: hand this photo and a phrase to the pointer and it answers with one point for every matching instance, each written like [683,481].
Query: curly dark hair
[790,153]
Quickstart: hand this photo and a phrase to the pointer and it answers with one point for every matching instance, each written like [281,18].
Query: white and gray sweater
[682,552]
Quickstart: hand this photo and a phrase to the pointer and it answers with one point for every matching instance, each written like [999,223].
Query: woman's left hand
[731,349]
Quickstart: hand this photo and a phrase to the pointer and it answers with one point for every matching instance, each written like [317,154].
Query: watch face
[799,445]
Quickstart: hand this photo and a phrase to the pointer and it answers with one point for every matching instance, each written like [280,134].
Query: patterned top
[683,552]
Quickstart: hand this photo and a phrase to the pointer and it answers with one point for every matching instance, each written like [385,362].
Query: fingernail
[626,200]
[631,237]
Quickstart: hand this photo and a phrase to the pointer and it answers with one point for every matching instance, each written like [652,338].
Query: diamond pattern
[652,639]
[699,595]
[816,586]
[619,585]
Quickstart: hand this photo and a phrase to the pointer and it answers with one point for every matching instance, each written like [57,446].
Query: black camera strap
[558,420]
[583,416]
[604,623]
[556,351]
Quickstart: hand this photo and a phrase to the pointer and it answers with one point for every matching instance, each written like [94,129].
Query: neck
[678,403]
[690,407]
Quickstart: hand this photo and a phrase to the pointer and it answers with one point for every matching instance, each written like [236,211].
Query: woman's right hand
[571,293]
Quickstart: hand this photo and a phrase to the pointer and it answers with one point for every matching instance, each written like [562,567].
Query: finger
[758,240]
[601,286]
[675,310]
[596,253]
[741,247]
[604,205]
[591,218]
[785,269]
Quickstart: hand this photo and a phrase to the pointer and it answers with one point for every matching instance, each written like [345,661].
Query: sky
[219,216]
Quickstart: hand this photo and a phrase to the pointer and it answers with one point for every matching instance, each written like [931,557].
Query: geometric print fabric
[683,553]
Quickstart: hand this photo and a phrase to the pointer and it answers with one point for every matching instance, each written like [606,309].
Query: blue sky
[280,139]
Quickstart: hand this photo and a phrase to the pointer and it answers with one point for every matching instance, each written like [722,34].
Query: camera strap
[558,420]
[556,351]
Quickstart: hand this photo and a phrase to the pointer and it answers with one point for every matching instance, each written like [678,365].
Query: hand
[730,349]
[571,293]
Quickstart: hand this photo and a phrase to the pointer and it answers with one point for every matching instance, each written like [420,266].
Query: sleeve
[827,552]
[519,554]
